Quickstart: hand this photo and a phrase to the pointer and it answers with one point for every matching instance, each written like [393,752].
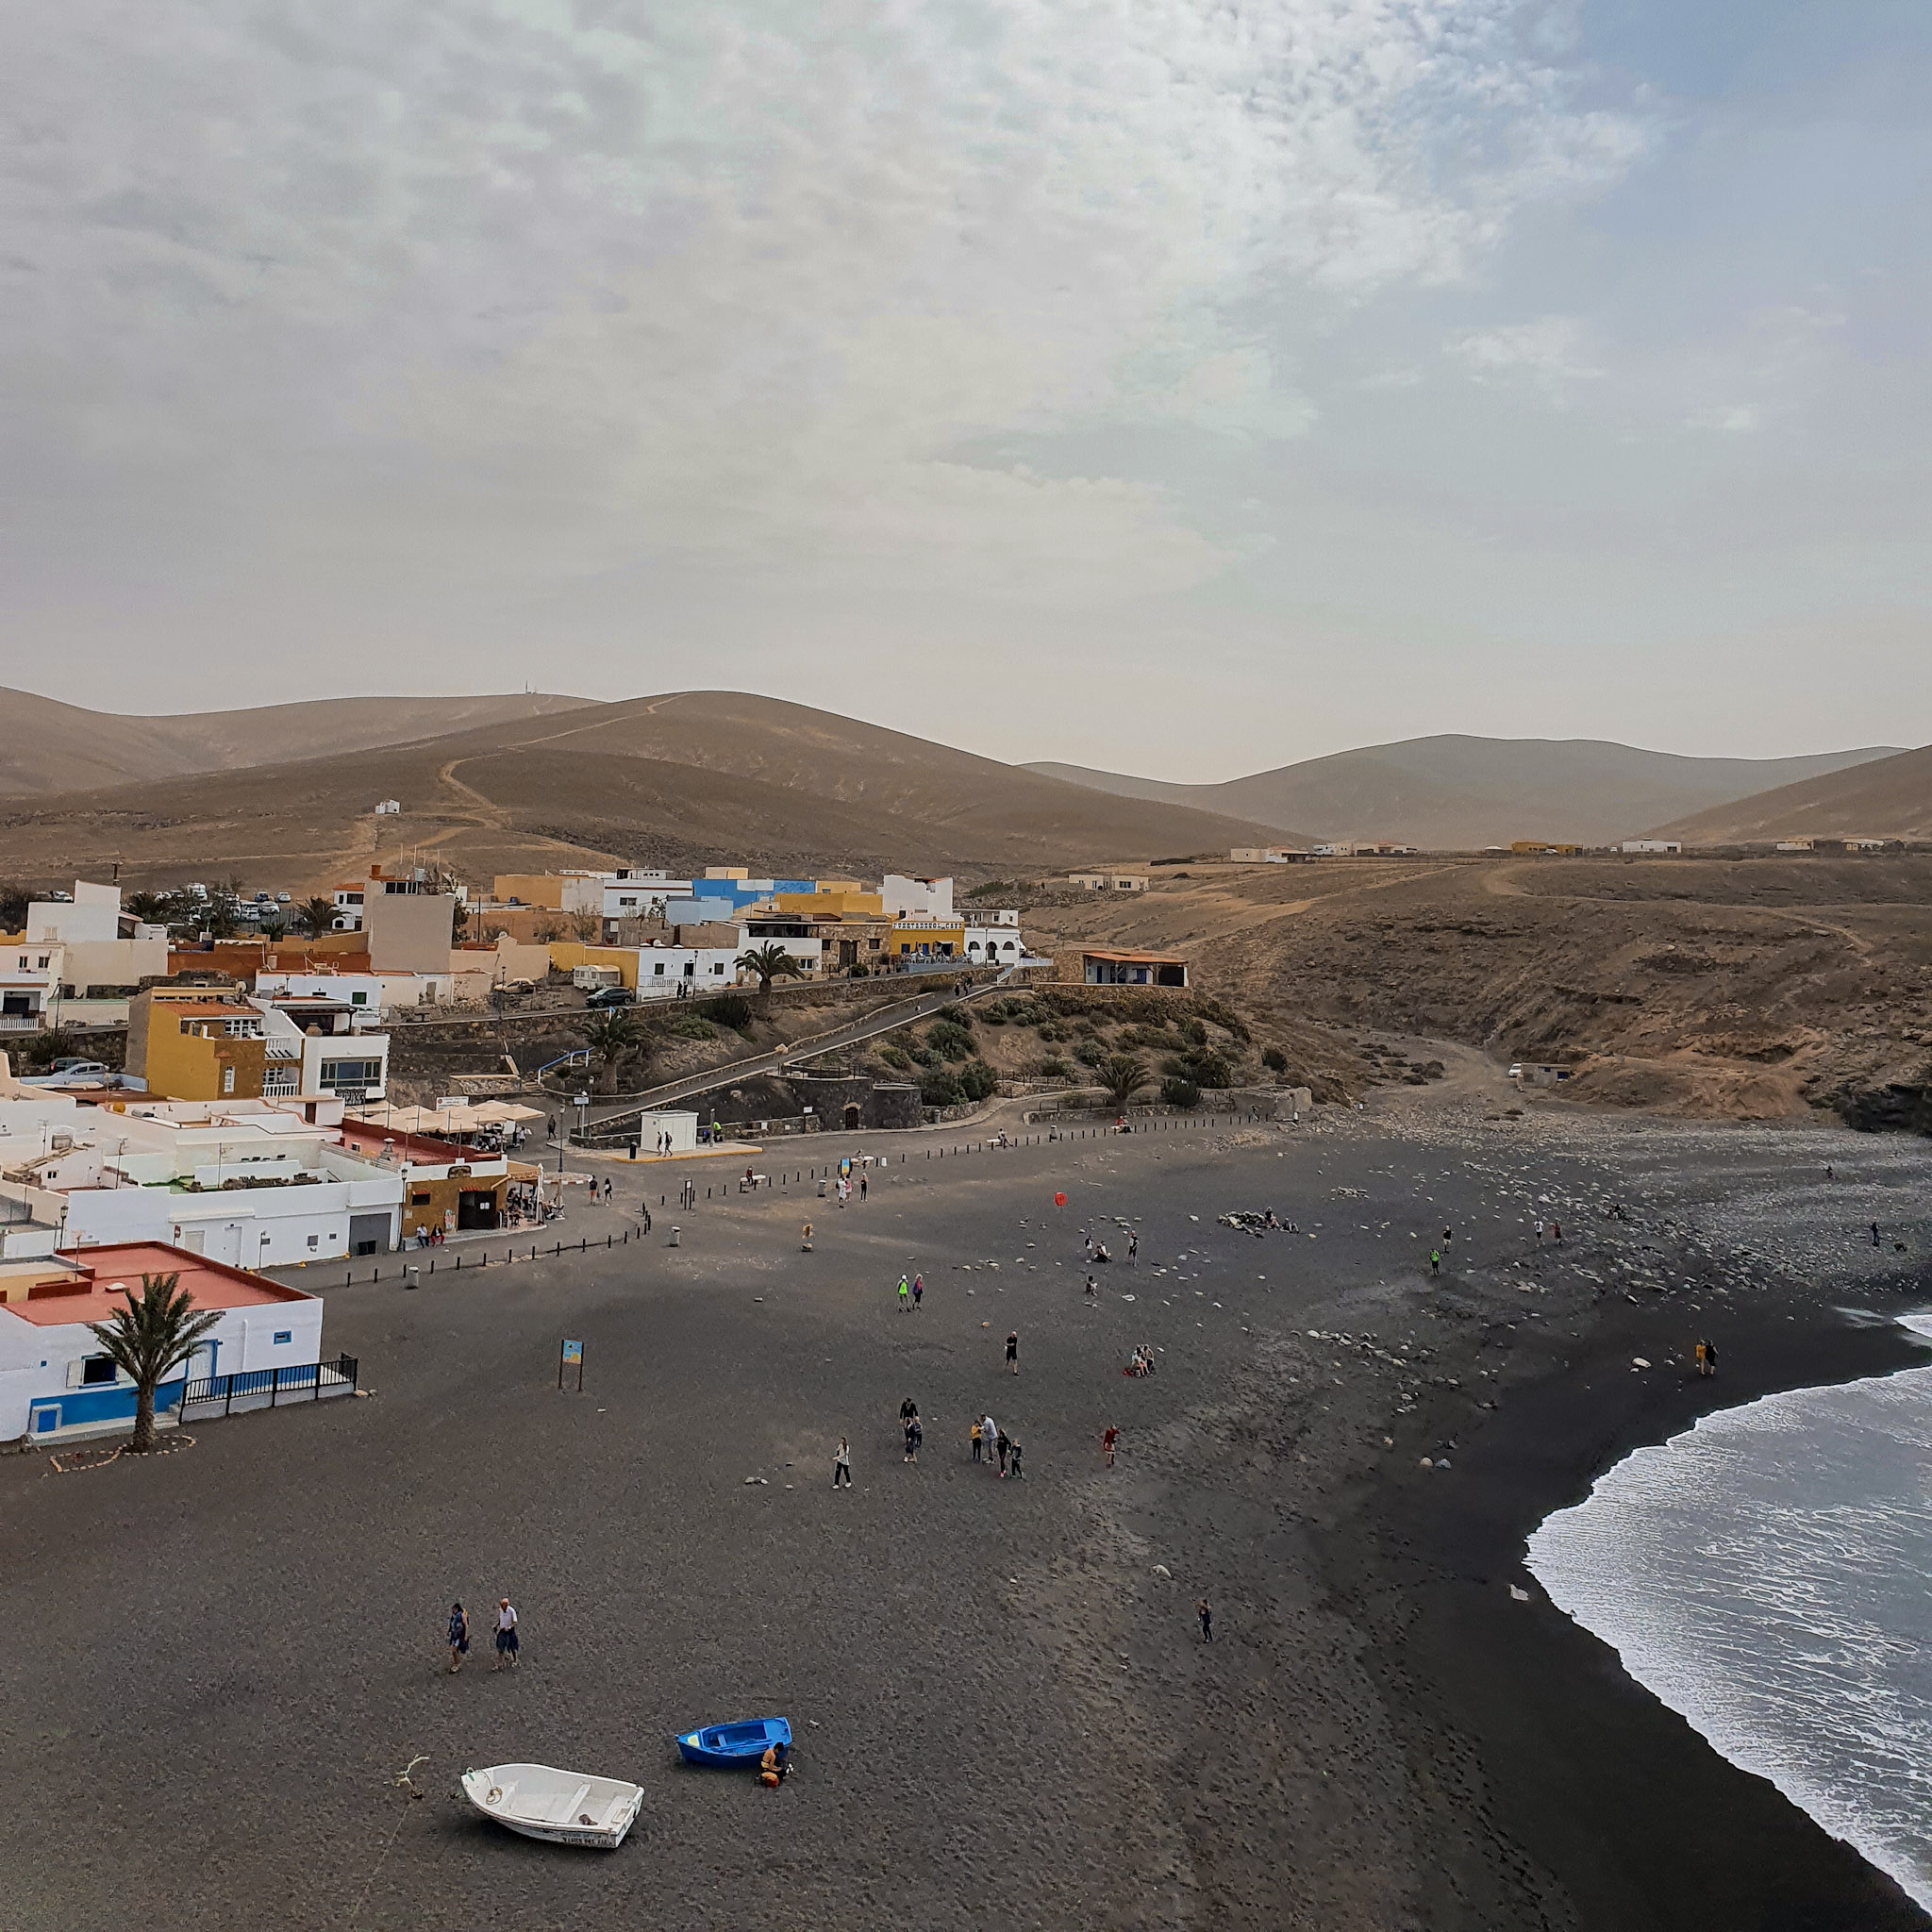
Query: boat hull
[558,1809]
[734,1747]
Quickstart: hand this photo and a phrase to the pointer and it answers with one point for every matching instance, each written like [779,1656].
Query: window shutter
[75,1369]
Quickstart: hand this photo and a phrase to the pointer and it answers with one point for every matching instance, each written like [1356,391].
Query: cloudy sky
[1181,386]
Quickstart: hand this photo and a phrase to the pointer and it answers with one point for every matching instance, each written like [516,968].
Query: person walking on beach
[1004,1445]
[1435,1260]
[1447,1237]
[1556,1231]
[914,1436]
[842,1464]
[1874,1234]
[975,1433]
[988,1435]
[861,1184]
[1707,1359]
[1013,1351]
[506,1644]
[904,1294]
[1205,1610]
[1092,1291]
[917,1289]
[459,1636]
[1133,1247]
[1019,1475]
[1109,1437]
[1538,1227]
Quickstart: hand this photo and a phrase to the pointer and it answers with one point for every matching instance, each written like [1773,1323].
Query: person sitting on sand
[774,1767]
[1100,1254]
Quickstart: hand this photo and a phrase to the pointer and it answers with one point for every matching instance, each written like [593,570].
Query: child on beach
[459,1636]
[1109,1437]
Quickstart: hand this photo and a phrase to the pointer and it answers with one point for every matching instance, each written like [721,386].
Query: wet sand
[221,1660]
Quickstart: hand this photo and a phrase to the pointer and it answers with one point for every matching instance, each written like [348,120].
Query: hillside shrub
[1177,1091]
[979,1081]
[949,1040]
[690,1026]
[895,1057]
[1054,1068]
[730,1009]
[940,1087]
[1274,1061]
[1089,1053]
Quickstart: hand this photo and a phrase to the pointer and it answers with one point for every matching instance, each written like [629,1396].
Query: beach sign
[571,1352]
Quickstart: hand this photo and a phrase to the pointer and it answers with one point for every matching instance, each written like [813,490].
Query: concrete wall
[409,932]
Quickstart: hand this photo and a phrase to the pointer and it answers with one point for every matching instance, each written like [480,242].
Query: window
[658,968]
[46,961]
[96,1371]
[227,1079]
[283,1334]
[420,1200]
[315,1240]
[351,1073]
[358,999]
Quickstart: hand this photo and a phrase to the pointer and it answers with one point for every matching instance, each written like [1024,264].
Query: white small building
[995,945]
[320,1043]
[1652,845]
[57,1383]
[97,943]
[905,897]
[665,1133]
[1108,881]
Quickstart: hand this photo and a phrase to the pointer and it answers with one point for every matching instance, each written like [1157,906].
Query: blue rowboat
[740,1744]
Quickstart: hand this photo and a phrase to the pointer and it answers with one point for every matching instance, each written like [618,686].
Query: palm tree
[151,908]
[317,915]
[1122,1074]
[149,1339]
[610,1035]
[770,961]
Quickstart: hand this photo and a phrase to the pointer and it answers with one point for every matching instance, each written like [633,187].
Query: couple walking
[507,1645]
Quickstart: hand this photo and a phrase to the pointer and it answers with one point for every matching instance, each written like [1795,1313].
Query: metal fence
[251,1388]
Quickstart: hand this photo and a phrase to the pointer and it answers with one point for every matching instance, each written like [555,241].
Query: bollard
[674,1234]
[412,1275]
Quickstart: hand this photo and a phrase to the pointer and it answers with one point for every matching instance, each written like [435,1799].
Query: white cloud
[538,289]
[1550,353]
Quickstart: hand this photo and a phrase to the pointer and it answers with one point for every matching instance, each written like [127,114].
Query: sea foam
[1764,1575]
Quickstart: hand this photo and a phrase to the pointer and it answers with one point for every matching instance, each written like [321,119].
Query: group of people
[1141,1361]
[911,1293]
[991,1444]
[507,1643]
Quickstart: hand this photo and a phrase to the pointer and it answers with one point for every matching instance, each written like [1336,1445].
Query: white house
[905,897]
[98,945]
[263,1192]
[1652,845]
[56,1382]
[995,945]
[638,894]
[321,1043]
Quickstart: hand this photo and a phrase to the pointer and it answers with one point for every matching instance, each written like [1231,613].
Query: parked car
[72,1063]
[608,996]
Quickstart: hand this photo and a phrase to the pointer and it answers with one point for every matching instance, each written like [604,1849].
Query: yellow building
[844,902]
[196,1043]
[927,939]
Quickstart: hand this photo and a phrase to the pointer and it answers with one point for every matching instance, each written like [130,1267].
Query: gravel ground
[222,1660]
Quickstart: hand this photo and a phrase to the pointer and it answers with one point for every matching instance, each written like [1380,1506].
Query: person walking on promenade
[1013,1351]
[842,1464]
[904,1294]
[917,1289]
[1205,1610]
[459,1636]
[507,1643]
[1109,1437]
[1435,1260]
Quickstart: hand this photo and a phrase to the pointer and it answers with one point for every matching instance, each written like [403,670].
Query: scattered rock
[1522,1596]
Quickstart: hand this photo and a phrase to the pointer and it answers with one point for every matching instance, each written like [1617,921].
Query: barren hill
[678,781]
[46,747]
[1460,794]
[1889,799]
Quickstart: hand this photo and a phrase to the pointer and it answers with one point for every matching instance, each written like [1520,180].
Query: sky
[1183,387]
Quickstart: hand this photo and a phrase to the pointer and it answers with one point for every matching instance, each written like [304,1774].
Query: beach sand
[220,1661]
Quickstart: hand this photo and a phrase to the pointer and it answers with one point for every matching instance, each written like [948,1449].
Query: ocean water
[1768,1574]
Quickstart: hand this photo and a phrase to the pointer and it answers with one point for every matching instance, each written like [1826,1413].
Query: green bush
[940,1087]
[1054,1068]
[895,1057]
[923,1056]
[692,1026]
[1177,1091]
[991,887]
[1209,1069]
[1193,1030]
[1274,1061]
[1089,1053]
[979,1081]
[729,1009]
[949,1040]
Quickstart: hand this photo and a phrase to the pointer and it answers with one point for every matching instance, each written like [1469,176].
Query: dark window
[96,1368]
[420,1200]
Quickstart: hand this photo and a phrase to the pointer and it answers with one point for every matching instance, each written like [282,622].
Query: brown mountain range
[46,747]
[1891,798]
[679,780]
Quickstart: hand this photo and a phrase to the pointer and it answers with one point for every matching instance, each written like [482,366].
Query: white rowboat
[567,1808]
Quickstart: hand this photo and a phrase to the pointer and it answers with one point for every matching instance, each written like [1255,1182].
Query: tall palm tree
[611,1036]
[151,1338]
[318,914]
[1122,1074]
[770,961]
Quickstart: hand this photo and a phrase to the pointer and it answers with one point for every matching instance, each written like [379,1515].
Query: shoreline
[1599,1807]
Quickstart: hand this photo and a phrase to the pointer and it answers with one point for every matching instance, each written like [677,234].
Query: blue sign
[573,1351]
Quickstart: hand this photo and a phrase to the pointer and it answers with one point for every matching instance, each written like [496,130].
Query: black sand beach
[221,1661]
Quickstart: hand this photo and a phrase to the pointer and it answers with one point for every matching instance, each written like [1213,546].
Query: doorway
[852,1117]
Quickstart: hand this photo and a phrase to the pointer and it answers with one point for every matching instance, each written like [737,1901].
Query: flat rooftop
[119,1265]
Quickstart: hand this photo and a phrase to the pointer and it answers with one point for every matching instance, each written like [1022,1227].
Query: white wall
[910,898]
[95,914]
